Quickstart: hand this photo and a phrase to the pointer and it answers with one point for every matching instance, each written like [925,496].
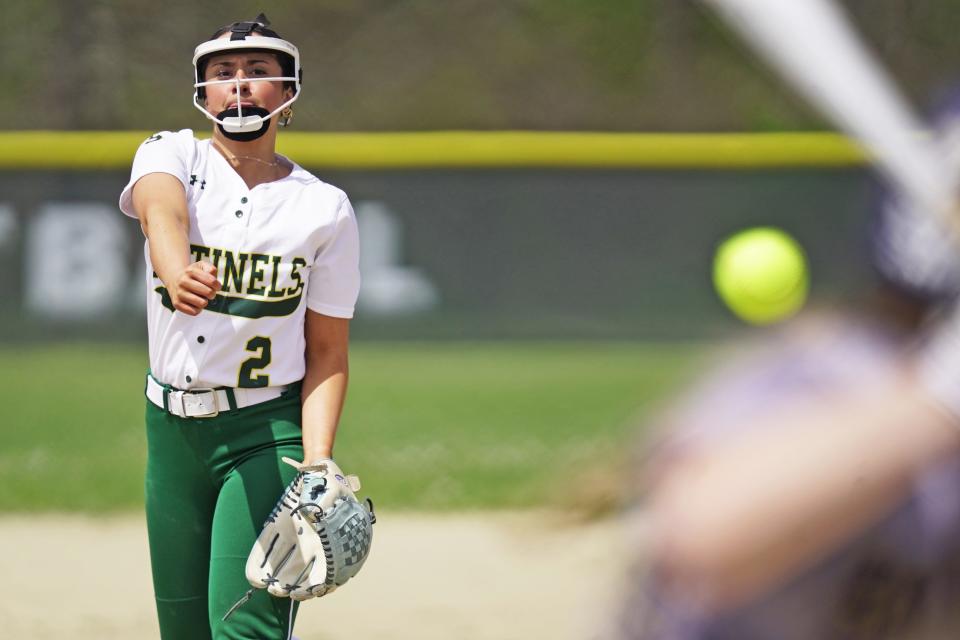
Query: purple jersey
[898,579]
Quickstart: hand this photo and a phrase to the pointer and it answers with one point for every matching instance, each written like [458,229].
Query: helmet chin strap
[238,127]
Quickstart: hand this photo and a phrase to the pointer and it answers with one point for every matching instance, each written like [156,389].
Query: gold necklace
[234,157]
[275,163]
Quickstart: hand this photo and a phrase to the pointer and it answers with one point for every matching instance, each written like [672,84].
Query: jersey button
[238,213]
[200,339]
[243,200]
[189,379]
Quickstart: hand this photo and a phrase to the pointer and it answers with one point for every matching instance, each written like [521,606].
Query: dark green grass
[428,426]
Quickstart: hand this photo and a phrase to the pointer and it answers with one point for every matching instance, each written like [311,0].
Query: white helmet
[246,36]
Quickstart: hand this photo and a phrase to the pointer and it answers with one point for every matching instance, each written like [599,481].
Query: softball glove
[316,538]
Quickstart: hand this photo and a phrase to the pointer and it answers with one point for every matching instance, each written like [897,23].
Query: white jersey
[280,248]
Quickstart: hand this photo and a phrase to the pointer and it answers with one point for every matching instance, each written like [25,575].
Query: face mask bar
[244,124]
[255,118]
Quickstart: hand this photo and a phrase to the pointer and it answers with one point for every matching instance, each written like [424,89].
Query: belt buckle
[196,392]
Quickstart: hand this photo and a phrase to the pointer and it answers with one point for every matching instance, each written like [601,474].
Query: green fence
[497,235]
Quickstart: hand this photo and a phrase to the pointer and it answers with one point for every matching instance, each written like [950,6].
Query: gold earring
[285,117]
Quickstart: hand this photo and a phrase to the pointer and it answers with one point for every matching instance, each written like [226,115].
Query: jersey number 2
[248,370]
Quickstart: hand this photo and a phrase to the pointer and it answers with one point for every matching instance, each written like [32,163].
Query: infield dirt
[478,576]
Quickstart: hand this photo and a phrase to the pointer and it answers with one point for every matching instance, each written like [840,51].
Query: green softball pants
[210,484]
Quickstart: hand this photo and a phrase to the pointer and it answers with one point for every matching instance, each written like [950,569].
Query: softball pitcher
[252,274]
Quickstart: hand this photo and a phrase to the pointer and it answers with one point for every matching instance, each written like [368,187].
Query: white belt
[206,402]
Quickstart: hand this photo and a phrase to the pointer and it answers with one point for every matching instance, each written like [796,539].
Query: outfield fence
[466,234]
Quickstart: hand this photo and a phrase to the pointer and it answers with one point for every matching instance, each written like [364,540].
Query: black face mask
[245,136]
